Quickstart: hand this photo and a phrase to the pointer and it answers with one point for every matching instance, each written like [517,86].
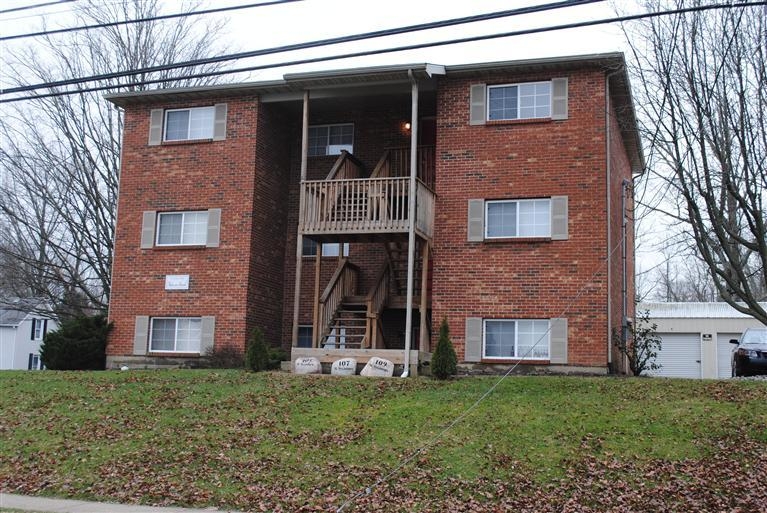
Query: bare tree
[702,95]
[60,156]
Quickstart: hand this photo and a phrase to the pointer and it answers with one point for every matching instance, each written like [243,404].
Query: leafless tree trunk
[701,91]
[60,156]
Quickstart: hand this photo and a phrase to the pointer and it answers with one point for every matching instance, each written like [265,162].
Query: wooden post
[299,235]
[423,344]
[316,318]
[411,220]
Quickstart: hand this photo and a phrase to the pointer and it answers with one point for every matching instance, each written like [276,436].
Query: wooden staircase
[397,254]
[347,328]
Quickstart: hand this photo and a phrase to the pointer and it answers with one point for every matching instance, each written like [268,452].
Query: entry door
[679,356]
[724,353]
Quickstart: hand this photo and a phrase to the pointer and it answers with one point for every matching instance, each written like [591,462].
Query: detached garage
[696,337]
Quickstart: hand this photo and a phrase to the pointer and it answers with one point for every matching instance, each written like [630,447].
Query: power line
[603,21]
[310,44]
[142,20]
[35,6]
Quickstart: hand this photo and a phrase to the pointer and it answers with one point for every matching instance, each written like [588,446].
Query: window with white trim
[517,339]
[517,218]
[519,101]
[329,249]
[35,363]
[175,334]
[38,329]
[331,139]
[182,228]
[189,124]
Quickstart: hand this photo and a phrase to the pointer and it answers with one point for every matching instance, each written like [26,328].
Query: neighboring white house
[696,337]
[21,333]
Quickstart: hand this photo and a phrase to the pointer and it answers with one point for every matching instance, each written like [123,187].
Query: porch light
[406,126]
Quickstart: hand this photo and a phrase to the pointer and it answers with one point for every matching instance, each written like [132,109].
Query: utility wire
[205,74]
[35,6]
[429,443]
[142,20]
[310,44]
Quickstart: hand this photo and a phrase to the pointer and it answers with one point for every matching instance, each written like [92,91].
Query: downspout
[624,256]
[608,175]
[411,221]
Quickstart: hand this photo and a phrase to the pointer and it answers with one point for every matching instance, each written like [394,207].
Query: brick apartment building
[346,213]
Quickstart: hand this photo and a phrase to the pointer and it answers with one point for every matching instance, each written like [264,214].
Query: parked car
[750,357]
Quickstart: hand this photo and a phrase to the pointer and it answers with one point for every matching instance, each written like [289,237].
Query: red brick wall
[620,170]
[187,176]
[529,159]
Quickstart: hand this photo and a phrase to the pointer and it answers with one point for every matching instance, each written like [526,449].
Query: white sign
[176,282]
[344,367]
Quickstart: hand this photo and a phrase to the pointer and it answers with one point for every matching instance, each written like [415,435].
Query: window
[330,139]
[329,249]
[305,336]
[189,124]
[182,228]
[518,218]
[34,362]
[175,334]
[518,339]
[38,329]
[519,101]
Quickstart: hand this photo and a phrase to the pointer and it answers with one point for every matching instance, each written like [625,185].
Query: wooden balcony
[364,206]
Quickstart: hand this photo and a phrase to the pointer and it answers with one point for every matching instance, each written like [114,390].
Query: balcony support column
[411,221]
[316,318]
[423,343]
[301,206]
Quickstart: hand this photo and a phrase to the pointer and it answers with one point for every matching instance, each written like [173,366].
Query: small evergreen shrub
[79,344]
[257,354]
[277,355]
[444,360]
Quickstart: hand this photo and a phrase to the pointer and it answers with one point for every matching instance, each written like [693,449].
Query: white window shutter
[476,220]
[477,108]
[156,118]
[219,123]
[214,228]
[140,335]
[559,98]
[558,336]
[147,229]
[472,351]
[559,229]
[206,333]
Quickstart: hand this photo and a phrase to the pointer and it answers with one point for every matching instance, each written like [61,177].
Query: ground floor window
[518,339]
[175,334]
[34,362]
[305,336]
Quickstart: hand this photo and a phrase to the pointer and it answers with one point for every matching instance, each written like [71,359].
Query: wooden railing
[342,284]
[424,213]
[355,206]
[346,167]
[395,162]
[376,301]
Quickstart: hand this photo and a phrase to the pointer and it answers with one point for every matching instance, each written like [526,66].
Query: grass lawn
[278,442]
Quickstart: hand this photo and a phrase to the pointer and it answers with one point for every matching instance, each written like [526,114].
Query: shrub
[224,357]
[277,355]
[257,353]
[79,344]
[444,360]
[641,344]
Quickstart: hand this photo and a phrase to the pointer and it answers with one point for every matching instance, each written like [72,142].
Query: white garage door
[679,356]
[724,354]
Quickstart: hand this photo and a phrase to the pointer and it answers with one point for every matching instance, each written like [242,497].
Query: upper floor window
[518,218]
[189,124]
[519,101]
[182,228]
[523,339]
[38,329]
[330,139]
[176,334]
[329,249]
